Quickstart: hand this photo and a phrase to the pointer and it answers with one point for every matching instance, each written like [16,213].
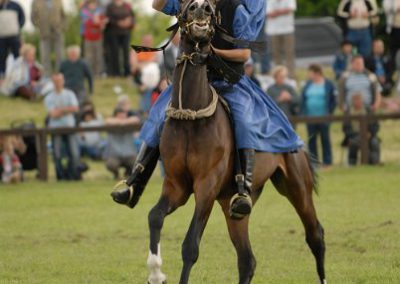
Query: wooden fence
[41,134]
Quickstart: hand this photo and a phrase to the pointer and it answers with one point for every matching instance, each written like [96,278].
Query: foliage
[317,7]
[155,25]
[74,233]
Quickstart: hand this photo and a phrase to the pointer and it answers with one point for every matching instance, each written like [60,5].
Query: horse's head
[197,20]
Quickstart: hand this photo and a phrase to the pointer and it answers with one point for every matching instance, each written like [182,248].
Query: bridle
[185,24]
[196,57]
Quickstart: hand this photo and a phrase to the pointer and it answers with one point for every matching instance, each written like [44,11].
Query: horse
[198,150]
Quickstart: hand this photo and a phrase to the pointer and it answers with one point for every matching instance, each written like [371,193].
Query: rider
[259,123]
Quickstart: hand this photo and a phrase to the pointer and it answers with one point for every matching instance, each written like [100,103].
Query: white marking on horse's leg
[323,281]
[154,262]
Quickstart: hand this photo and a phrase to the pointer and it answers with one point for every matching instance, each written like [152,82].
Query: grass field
[74,233]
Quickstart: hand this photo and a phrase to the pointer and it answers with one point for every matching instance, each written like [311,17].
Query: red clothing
[14,160]
[34,73]
[154,96]
[93,31]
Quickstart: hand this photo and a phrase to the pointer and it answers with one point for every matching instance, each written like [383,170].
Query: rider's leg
[148,156]
[144,166]
[241,203]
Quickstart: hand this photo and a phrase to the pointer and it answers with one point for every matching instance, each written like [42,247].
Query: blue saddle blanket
[259,123]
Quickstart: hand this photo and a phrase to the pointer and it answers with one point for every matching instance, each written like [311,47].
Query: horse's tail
[312,161]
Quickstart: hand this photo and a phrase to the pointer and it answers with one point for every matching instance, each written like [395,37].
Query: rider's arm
[235,55]
[159,4]
[168,7]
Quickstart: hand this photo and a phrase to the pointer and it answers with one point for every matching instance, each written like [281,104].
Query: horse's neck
[192,83]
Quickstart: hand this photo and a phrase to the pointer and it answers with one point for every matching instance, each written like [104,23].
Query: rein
[187,114]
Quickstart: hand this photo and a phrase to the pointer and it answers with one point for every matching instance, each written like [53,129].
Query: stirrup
[240,196]
[121,185]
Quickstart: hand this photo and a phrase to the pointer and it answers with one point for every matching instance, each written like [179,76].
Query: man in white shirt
[61,106]
[280,30]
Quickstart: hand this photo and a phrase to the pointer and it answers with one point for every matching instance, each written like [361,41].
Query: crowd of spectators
[364,68]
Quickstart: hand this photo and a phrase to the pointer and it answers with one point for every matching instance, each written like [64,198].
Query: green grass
[73,233]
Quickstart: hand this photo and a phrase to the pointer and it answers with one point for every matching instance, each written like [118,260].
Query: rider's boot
[145,164]
[241,203]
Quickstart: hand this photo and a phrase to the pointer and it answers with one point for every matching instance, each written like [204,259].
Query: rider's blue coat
[259,123]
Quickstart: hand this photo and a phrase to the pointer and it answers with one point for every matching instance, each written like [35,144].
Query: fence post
[364,140]
[43,166]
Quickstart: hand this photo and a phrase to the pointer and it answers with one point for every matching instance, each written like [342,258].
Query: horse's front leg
[205,197]
[169,201]
[239,233]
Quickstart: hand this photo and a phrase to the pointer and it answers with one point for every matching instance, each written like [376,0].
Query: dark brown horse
[199,159]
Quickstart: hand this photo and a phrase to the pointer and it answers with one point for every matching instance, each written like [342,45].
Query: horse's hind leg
[170,200]
[297,185]
[239,233]
[205,195]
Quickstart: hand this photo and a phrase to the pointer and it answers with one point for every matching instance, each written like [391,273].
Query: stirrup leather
[122,185]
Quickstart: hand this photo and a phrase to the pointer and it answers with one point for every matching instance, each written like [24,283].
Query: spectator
[124,103]
[50,20]
[140,60]
[91,143]
[342,59]
[25,77]
[162,85]
[392,11]
[352,133]
[282,93]
[94,21]
[280,30]
[119,27]
[120,151]
[75,71]
[319,99]
[250,71]
[379,64]
[61,107]
[358,14]
[12,19]
[359,80]
[149,79]
[261,59]
[10,165]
